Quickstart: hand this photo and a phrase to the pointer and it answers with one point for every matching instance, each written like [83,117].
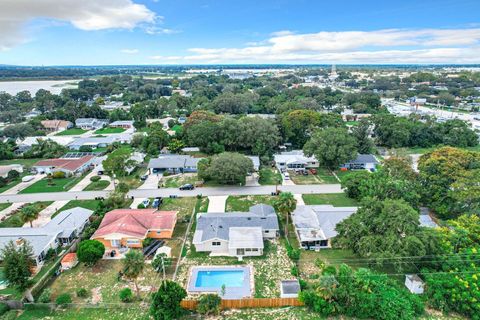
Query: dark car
[144,177]
[187,186]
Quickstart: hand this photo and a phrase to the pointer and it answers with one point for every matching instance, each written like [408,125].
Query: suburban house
[125,124]
[4,170]
[70,166]
[92,142]
[361,162]
[236,234]
[127,228]
[114,105]
[56,125]
[174,163]
[61,230]
[295,159]
[414,283]
[90,123]
[315,225]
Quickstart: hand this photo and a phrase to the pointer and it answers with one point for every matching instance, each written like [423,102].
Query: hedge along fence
[249,303]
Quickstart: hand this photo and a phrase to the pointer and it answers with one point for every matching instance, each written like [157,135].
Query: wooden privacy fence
[249,303]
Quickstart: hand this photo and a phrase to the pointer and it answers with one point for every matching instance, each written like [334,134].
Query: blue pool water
[215,279]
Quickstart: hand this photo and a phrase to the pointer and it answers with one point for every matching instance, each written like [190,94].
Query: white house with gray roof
[294,160]
[90,123]
[361,162]
[61,230]
[315,225]
[173,163]
[236,234]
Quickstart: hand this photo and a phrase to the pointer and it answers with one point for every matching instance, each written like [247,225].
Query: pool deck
[245,291]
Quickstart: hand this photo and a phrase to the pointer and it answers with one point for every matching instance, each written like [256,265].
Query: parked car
[286,176]
[146,202]
[313,171]
[157,202]
[187,186]
[144,177]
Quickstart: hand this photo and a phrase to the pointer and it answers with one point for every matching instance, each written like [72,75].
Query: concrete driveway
[22,185]
[217,203]
[84,182]
[46,214]
[151,182]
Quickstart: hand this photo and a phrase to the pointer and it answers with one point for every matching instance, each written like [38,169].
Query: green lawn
[177,181]
[59,185]
[119,312]
[323,176]
[27,163]
[97,185]
[13,183]
[71,132]
[87,204]
[351,123]
[269,176]
[334,199]
[15,219]
[243,203]
[109,130]
[4,206]
[133,179]
[343,174]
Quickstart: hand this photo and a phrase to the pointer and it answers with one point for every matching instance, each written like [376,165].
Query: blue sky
[102,32]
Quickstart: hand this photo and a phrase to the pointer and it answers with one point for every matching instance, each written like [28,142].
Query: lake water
[54,86]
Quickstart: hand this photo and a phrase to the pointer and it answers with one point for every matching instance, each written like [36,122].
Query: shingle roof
[364,158]
[68,164]
[217,225]
[245,237]
[135,222]
[173,161]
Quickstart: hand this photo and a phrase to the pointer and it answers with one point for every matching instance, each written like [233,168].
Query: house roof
[319,222]
[218,225]
[69,257]
[55,124]
[255,160]
[67,164]
[245,237]
[122,123]
[92,141]
[290,286]
[364,158]
[39,238]
[135,222]
[294,156]
[427,221]
[173,161]
[89,121]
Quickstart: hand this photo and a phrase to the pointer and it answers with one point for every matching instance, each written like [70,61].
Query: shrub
[95,178]
[141,206]
[10,315]
[294,271]
[209,304]
[3,308]
[90,251]
[63,300]
[46,296]
[82,293]
[126,295]
[3,182]
[293,254]
[166,301]
[146,242]
[58,175]
[13,175]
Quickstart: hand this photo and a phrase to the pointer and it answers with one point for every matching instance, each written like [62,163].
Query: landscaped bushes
[58,175]
[63,300]
[126,295]
[95,178]
[209,304]
[82,293]
[46,296]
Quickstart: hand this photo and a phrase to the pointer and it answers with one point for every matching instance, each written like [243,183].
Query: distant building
[125,124]
[255,161]
[56,125]
[361,162]
[90,123]
[113,105]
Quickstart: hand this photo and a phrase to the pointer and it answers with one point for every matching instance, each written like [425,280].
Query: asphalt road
[166,192]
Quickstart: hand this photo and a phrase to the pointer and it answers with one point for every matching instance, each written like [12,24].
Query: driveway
[217,203]
[165,192]
[22,185]
[299,199]
[151,182]
[84,182]
[46,214]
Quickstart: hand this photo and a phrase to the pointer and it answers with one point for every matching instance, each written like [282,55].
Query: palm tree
[133,265]
[29,214]
[285,205]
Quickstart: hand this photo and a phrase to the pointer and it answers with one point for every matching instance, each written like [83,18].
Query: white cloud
[158,30]
[130,51]
[82,14]
[380,46]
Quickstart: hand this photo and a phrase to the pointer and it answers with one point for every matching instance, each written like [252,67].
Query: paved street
[165,192]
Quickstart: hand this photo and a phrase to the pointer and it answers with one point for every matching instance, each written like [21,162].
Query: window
[133,241]
[248,249]
[267,231]
[255,250]
[216,243]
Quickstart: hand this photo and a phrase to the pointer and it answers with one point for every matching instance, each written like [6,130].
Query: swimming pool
[213,279]
[233,282]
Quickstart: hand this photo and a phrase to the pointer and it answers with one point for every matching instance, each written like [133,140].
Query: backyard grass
[133,312]
[269,176]
[26,163]
[243,203]
[58,185]
[109,130]
[179,180]
[102,282]
[71,132]
[343,174]
[323,176]
[334,199]
[15,220]
[97,185]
